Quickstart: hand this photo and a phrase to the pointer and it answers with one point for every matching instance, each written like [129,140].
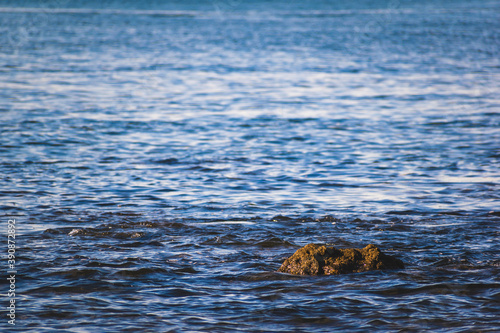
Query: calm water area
[161,159]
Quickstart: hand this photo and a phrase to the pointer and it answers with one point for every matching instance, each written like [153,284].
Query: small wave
[164,13]
[140,272]
[225,222]
[274,242]
[441,289]
[77,273]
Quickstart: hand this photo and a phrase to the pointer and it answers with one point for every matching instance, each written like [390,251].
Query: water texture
[162,159]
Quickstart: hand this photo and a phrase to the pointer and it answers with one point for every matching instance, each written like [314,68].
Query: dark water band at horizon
[162,160]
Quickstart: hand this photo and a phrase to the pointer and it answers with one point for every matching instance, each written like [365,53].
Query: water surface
[162,160]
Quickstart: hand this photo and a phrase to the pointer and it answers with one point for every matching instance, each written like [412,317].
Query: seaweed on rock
[314,259]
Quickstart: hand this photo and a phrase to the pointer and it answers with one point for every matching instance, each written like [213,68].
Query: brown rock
[314,259]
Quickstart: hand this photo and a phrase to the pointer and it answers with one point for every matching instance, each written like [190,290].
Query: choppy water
[161,161]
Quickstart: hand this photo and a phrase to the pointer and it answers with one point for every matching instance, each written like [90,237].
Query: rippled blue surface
[162,159]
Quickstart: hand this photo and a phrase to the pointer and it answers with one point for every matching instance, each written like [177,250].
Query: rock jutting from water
[314,259]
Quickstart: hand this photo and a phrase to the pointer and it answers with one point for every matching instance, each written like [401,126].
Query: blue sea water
[162,158]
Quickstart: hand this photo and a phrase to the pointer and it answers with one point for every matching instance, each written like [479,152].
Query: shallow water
[161,160]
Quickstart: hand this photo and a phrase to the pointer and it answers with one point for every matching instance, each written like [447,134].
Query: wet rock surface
[314,259]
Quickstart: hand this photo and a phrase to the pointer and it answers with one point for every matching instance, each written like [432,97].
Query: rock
[314,259]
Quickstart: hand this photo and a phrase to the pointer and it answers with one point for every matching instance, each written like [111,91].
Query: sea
[159,160]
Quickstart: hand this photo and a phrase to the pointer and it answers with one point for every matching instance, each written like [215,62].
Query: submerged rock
[314,259]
